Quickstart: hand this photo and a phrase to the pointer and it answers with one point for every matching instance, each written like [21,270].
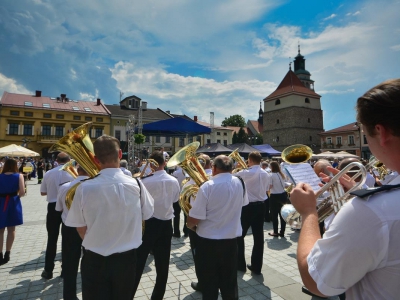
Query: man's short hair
[123,163]
[320,166]
[63,157]
[158,156]
[255,157]
[106,148]
[264,164]
[206,159]
[380,105]
[223,163]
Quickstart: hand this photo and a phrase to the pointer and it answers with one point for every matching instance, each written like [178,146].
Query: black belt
[9,194]
[91,253]
[256,202]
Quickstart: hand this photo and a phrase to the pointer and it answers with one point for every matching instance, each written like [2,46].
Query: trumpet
[336,199]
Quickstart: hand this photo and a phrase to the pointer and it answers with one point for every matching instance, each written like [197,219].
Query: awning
[243,148]
[214,149]
[266,148]
[175,127]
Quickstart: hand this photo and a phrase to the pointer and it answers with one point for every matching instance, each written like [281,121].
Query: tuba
[69,167]
[187,160]
[79,146]
[239,160]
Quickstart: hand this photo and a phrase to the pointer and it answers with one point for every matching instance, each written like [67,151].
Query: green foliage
[241,136]
[259,139]
[139,138]
[234,138]
[235,120]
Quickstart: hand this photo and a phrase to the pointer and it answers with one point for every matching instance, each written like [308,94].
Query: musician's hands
[303,199]
[345,180]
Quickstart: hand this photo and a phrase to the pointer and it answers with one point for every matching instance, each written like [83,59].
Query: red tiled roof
[289,85]
[257,126]
[345,128]
[18,100]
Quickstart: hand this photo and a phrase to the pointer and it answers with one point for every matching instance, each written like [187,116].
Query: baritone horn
[241,164]
[69,167]
[79,146]
[187,160]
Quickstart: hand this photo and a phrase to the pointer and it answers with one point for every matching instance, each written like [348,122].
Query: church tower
[292,113]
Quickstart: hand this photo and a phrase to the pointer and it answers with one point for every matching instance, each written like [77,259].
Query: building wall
[293,125]
[290,101]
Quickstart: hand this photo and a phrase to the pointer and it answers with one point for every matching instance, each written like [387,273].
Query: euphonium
[239,160]
[79,146]
[187,160]
[336,199]
[69,167]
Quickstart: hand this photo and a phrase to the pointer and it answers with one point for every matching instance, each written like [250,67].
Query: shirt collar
[110,171]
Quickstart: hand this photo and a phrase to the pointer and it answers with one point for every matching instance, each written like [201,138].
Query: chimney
[98,101]
[38,94]
[144,105]
[168,112]
[195,118]
[62,97]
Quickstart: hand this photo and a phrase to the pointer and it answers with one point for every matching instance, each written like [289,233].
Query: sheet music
[303,173]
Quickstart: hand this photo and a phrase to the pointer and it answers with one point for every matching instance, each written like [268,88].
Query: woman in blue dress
[12,187]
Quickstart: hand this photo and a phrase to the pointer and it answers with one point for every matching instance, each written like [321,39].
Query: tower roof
[291,84]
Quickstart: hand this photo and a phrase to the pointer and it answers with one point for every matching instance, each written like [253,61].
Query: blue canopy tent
[175,127]
[266,148]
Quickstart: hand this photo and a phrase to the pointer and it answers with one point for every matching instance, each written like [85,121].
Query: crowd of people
[118,220]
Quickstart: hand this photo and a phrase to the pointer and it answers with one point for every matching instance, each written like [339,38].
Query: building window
[88,118]
[75,108]
[28,129]
[98,132]
[47,116]
[28,114]
[219,141]
[351,140]
[99,119]
[118,134]
[198,138]
[77,117]
[168,139]
[329,140]
[365,140]
[28,103]
[307,100]
[225,143]
[309,120]
[46,130]
[190,139]
[208,141]
[310,138]
[181,142]
[277,102]
[218,133]
[46,105]
[59,131]
[225,134]
[158,139]
[58,116]
[277,121]
[338,140]
[147,140]
[87,109]
[13,128]
[14,113]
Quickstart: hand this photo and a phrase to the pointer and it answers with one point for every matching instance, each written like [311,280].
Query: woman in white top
[278,197]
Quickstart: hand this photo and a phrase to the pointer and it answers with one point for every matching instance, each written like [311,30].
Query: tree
[139,138]
[242,136]
[235,120]
[259,139]
[234,138]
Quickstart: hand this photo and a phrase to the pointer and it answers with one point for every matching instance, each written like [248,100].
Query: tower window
[307,100]
[277,102]
[310,138]
[277,121]
[309,120]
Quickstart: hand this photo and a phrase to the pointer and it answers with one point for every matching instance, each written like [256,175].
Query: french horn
[187,160]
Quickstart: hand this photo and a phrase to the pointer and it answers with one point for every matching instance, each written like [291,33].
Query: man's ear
[383,134]
[120,154]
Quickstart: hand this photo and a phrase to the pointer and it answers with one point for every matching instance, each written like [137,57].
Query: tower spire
[298,46]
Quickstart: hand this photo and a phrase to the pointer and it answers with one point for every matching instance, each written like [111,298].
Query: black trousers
[218,268]
[53,223]
[71,254]
[193,237]
[177,218]
[276,201]
[157,237]
[267,216]
[108,277]
[252,216]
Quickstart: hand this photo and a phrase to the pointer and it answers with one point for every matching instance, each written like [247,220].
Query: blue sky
[193,57]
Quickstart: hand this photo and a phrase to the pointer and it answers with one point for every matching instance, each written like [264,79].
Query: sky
[195,57]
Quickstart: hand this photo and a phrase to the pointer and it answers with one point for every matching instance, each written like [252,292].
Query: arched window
[277,102]
[307,100]
[309,120]
[277,121]
[310,138]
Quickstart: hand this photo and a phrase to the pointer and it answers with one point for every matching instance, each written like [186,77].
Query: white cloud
[10,85]
[336,92]
[88,96]
[353,14]
[395,47]
[330,17]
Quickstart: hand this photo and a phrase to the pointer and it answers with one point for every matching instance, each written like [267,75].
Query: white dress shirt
[126,171]
[179,174]
[164,189]
[110,206]
[62,193]
[52,181]
[218,205]
[360,253]
[257,182]
[277,184]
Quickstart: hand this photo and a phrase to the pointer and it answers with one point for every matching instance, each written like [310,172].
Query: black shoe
[1,259]
[177,235]
[282,234]
[6,258]
[252,270]
[195,286]
[47,275]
